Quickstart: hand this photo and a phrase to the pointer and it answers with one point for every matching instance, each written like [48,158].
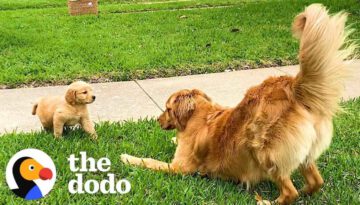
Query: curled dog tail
[34,109]
[320,82]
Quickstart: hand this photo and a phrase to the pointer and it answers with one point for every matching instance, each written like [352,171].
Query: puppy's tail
[34,109]
[320,82]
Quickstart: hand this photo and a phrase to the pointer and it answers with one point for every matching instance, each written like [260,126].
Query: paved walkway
[139,99]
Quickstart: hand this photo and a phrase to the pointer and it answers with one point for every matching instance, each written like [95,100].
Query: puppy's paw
[94,136]
[57,136]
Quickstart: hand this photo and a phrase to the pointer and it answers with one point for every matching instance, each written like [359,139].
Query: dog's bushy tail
[324,45]
[34,109]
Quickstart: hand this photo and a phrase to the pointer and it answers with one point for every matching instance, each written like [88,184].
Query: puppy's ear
[70,96]
[184,109]
[201,93]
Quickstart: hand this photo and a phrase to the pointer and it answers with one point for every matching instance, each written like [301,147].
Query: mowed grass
[28,4]
[47,46]
[340,167]
[23,4]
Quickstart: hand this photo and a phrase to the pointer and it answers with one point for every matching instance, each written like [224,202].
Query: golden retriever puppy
[281,125]
[58,111]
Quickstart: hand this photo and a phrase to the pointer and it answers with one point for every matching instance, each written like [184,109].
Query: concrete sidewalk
[139,99]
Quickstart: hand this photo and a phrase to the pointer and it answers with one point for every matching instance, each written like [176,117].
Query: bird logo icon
[30,174]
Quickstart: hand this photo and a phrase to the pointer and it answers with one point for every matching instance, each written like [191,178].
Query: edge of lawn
[141,74]
[129,5]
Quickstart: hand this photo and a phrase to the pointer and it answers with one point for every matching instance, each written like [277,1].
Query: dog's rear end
[320,83]
[317,89]
[287,122]
[45,107]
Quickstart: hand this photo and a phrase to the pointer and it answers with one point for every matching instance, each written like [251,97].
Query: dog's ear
[184,109]
[70,96]
[201,93]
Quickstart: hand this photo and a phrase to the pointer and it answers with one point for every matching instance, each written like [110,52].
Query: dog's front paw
[128,159]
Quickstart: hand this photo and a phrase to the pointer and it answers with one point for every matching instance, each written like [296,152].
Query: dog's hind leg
[288,192]
[313,179]
[278,166]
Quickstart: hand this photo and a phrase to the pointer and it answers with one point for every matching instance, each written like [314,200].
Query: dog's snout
[93,97]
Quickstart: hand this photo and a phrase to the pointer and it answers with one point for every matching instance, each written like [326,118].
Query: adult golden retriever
[281,125]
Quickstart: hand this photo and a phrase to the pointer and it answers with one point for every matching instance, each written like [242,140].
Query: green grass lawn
[28,4]
[24,4]
[340,166]
[47,46]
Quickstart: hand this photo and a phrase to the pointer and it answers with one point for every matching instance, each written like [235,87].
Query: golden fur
[281,125]
[55,112]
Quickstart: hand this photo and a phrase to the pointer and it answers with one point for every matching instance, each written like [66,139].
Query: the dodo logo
[31,174]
